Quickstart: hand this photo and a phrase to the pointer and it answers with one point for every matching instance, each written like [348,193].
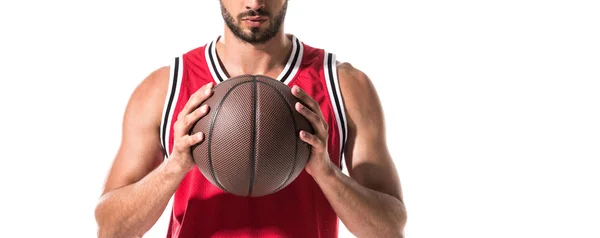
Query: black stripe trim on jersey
[168,111]
[293,64]
[213,63]
[330,66]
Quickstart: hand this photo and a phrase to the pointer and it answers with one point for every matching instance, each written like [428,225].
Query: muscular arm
[139,184]
[369,202]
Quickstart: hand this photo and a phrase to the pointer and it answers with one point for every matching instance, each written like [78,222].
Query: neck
[239,57]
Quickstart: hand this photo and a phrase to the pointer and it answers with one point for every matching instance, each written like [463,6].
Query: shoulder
[363,106]
[351,75]
[149,95]
[355,83]
[154,85]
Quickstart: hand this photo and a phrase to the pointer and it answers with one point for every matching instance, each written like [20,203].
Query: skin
[140,183]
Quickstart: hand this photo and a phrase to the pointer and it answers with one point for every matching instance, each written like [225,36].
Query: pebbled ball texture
[251,145]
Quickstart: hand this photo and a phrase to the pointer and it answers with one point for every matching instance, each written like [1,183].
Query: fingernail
[207,92]
[200,135]
[204,108]
[302,133]
[299,106]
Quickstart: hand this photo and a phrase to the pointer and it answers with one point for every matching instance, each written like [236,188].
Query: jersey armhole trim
[175,76]
[333,86]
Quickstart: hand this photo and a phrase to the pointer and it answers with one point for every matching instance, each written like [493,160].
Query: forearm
[131,211]
[365,212]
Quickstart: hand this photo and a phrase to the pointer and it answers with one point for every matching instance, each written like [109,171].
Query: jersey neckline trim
[286,75]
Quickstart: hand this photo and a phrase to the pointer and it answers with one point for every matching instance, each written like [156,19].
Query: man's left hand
[319,162]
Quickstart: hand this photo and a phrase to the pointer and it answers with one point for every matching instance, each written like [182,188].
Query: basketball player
[341,104]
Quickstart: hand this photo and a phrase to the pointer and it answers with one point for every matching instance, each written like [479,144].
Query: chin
[254,32]
[251,29]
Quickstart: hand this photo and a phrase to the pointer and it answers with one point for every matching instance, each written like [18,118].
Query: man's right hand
[141,182]
[189,115]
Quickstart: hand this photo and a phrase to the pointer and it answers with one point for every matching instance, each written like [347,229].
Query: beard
[256,34]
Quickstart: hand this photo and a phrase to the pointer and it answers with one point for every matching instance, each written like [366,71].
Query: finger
[184,124]
[306,99]
[312,140]
[193,117]
[184,143]
[196,99]
[315,120]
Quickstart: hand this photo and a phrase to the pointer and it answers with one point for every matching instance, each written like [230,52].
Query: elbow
[105,233]
[103,229]
[396,228]
[390,224]
[110,231]
[394,220]
[106,225]
[399,221]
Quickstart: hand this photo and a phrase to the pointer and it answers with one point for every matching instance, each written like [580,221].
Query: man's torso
[201,209]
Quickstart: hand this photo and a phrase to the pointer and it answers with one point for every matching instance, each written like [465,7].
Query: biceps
[140,150]
[371,165]
[137,156]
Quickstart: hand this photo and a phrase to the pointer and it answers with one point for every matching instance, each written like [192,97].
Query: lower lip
[254,23]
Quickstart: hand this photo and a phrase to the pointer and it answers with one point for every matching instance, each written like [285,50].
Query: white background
[492,107]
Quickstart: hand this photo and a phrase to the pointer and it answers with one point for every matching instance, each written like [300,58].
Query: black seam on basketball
[337,103]
[212,62]
[254,152]
[296,136]
[293,65]
[166,118]
[210,132]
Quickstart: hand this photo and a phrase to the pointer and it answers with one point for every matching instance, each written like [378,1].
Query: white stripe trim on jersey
[172,101]
[286,75]
[215,60]
[210,61]
[166,105]
[341,105]
[296,55]
[331,79]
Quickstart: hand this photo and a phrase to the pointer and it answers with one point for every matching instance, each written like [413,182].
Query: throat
[270,69]
[269,60]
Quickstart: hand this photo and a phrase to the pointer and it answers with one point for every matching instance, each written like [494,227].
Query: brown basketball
[251,145]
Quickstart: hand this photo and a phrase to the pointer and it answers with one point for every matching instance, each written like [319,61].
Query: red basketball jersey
[201,209]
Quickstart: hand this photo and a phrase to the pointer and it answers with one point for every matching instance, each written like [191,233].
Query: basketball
[251,145]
